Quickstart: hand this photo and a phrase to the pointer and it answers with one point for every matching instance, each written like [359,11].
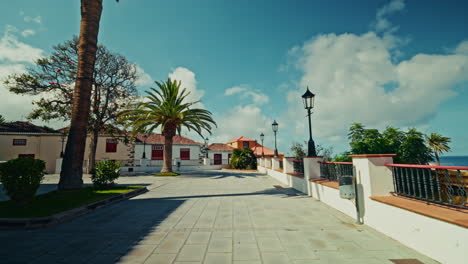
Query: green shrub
[21,177]
[167,174]
[243,159]
[105,173]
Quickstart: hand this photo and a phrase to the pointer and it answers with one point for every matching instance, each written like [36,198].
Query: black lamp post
[144,146]
[275,129]
[206,147]
[262,136]
[308,98]
[63,136]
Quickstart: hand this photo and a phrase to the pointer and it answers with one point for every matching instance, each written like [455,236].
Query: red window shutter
[26,156]
[185,154]
[157,152]
[111,145]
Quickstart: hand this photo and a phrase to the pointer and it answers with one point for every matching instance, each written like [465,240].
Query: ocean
[454,161]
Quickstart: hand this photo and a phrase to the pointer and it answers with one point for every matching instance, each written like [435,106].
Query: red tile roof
[220,147]
[159,139]
[266,151]
[25,127]
[241,138]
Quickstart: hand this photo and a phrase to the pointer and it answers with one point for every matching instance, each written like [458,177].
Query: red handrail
[425,166]
[336,162]
[298,161]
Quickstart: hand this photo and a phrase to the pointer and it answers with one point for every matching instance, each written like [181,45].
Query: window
[111,145]
[245,144]
[26,156]
[157,152]
[19,142]
[185,154]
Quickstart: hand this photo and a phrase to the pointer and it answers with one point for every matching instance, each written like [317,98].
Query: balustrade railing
[332,171]
[438,184]
[298,166]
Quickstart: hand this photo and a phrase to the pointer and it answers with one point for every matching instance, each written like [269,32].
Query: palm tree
[438,143]
[72,165]
[166,108]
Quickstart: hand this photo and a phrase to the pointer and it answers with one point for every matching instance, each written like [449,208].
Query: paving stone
[218,258]
[160,258]
[192,253]
[246,252]
[206,217]
[220,245]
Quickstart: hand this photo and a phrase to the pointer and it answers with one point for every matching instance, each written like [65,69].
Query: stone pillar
[274,164]
[288,166]
[311,170]
[372,175]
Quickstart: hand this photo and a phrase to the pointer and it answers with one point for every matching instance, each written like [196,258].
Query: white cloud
[28,32]
[13,50]
[355,80]
[234,90]
[144,79]
[246,93]
[462,48]
[188,80]
[245,120]
[37,19]
[382,23]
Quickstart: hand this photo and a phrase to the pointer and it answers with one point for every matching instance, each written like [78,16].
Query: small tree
[2,120]
[325,152]
[438,144]
[243,159]
[413,148]
[298,150]
[54,78]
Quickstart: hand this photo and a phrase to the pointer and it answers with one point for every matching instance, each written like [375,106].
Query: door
[157,152]
[218,159]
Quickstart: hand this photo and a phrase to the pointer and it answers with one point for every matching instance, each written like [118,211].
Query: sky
[378,62]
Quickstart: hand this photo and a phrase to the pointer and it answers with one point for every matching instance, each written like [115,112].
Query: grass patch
[58,201]
[167,174]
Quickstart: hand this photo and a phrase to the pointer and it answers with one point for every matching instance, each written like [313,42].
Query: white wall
[194,152]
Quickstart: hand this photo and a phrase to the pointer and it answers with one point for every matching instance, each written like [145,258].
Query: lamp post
[275,129]
[206,147]
[63,136]
[308,98]
[144,146]
[262,136]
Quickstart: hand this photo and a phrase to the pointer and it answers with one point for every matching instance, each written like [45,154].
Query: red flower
[58,70]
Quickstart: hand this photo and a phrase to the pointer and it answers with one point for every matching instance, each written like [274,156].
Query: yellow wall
[48,147]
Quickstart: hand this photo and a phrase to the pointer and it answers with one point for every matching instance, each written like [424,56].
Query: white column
[275,163]
[311,170]
[206,161]
[288,166]
[371,173]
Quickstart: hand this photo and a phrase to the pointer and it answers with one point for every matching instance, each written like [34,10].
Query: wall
[44,147]
[224,155]
[440,240]
[194,153]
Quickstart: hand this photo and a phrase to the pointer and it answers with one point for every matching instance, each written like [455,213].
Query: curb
[48,221]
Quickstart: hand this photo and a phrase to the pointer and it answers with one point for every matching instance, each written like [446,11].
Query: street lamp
[275,129]
[308,98]
[144,146]
[206,147]
[262,136]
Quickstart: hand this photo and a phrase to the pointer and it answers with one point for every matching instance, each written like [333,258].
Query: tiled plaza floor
[207,217]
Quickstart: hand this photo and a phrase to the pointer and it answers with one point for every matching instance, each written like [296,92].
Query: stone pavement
[207,217]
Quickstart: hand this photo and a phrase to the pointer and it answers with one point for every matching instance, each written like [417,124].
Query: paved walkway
[217,217]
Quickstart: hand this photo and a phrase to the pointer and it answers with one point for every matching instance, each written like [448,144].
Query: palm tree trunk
[167,162]
[92,150]
[437,158]
[72,165]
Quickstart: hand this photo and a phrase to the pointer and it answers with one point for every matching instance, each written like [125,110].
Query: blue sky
[400,63]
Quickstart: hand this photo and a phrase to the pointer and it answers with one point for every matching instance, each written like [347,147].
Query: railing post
[311,171]
[372,176]
[288,166]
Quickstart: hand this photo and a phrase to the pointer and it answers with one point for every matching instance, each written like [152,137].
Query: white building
[219,153]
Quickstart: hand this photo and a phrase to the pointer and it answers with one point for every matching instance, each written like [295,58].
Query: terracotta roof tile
[220,147]
[241,138]
[159,139]
[25,127]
